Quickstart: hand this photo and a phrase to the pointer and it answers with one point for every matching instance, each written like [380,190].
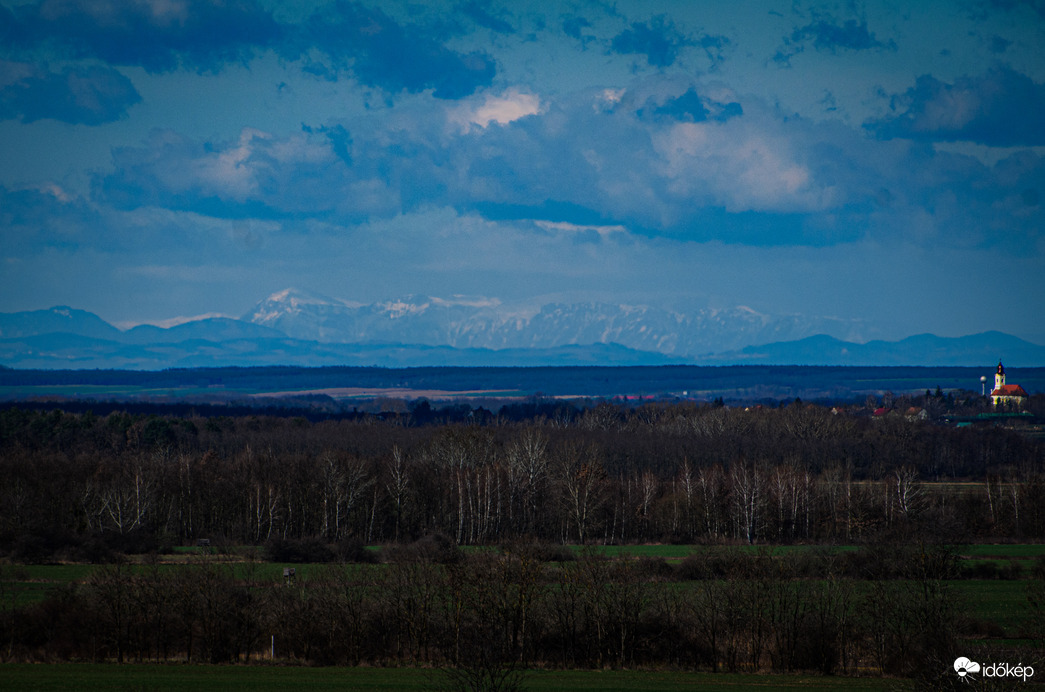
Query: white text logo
[963,667]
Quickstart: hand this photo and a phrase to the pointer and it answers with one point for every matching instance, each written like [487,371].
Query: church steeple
[1011,395]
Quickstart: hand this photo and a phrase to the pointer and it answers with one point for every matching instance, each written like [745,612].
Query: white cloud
[228,173]
[572,228]
[740,167]
[508,107]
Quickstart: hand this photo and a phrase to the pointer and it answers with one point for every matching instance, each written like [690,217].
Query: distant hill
[922,349]
[292,328]
[62,351]
[216,329]
[59,319]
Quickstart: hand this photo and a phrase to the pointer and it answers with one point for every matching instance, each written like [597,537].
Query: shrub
[655,568]
[542,552]
[309,549]
[354,550]
[432,548]
[980,570]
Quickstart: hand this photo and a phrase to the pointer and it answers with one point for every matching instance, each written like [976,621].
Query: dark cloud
[76,95]
[829,34]
[661,159]
[1037,6]
[256,176]
[35,219]
[999,45]
[158,36]
[665,104]
[478,14]
[340,140]
[574,28]
[657,39]
[383,53]
[205,35]
[999,108]
[686,108]
[714,46]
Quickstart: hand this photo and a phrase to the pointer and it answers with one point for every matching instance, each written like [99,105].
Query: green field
[283,679]
[1024,551]
[24,584]
[1001,602]
[992,616]
[983,551]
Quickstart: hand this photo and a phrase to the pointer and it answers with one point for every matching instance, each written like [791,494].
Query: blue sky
[874,162]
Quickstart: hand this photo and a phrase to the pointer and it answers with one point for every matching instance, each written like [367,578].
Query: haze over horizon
[167,159]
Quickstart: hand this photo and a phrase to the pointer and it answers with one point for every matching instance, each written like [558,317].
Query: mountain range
[294,327]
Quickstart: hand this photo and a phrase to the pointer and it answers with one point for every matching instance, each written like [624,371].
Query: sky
[878,162]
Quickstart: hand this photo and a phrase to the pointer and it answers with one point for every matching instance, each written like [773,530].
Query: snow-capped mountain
[297,328]
[410,319]
[465,322]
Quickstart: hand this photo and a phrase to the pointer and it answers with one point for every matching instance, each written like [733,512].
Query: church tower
[1009,394]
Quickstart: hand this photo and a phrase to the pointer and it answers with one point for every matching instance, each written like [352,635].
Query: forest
[608,473]
[463,535]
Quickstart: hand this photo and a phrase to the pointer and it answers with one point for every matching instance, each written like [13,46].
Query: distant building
[1006,394]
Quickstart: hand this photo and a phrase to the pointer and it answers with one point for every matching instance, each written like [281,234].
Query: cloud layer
[520,150]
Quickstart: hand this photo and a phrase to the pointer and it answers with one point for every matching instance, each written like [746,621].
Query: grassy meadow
[993,612]
[69,676]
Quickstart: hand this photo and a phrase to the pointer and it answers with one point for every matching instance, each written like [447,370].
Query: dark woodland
[893,477]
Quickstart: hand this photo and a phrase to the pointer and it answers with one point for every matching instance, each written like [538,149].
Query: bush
[310,549]
[655,568]
[354,550]
[980,570]
[1038,570]
[38,548]
[542,552]
[432,548]
[717,563]
[1011,570]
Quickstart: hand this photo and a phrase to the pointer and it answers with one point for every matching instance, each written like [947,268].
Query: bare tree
[396,484]
[527,461]
[127,496]
[344,480]
[583,478]
[908,491]
[748,488]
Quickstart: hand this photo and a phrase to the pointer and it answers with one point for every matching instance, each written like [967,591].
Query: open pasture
[22,584]
[1000,601]
[67,676]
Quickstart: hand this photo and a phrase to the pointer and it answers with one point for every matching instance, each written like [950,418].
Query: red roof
[1009,390]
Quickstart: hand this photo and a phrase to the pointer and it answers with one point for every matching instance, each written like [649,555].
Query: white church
[1006,394]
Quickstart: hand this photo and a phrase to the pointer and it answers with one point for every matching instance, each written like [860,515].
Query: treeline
[487,615]
[81,486]
[749,383]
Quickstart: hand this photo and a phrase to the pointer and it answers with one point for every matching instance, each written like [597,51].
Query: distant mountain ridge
[921,349]
[297,328]
[463,322]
